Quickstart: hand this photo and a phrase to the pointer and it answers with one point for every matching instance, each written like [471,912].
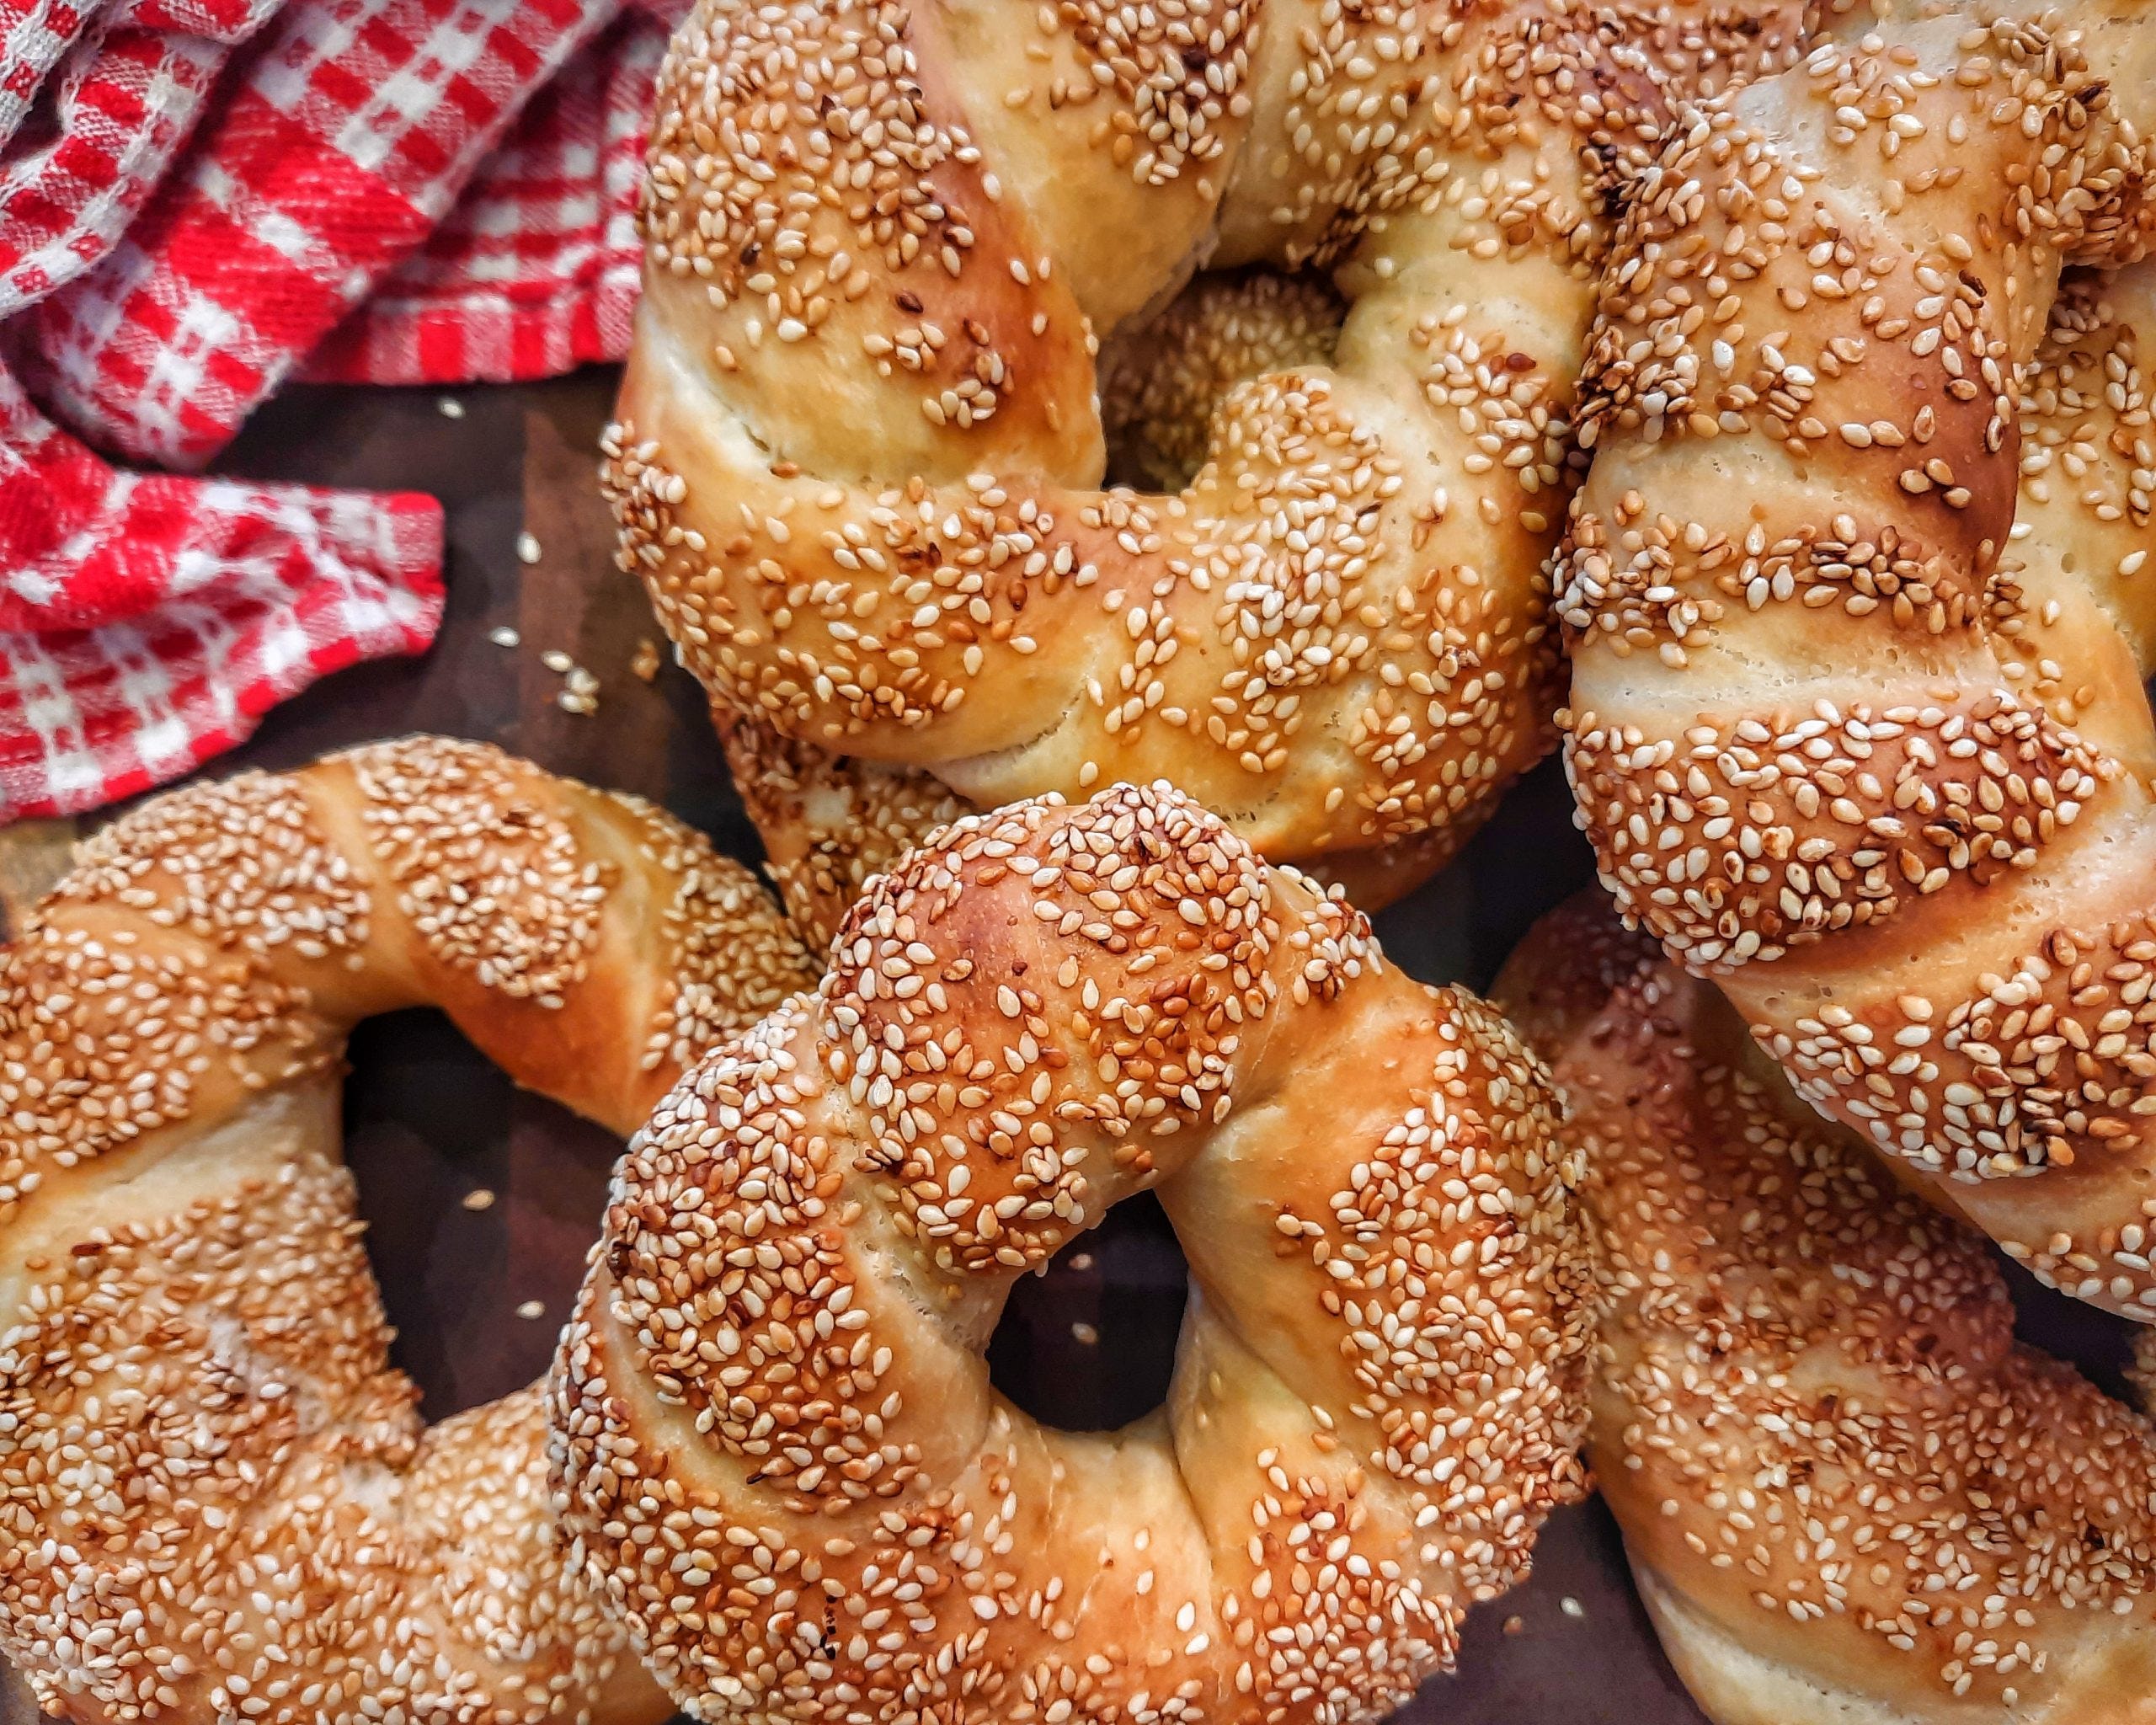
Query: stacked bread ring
[977,507]
[861,446]
[216,1500]
[784,1460]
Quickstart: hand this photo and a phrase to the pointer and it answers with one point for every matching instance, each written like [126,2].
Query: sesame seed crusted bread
[217,1501]
[862,436]
[1849,1495]
[780,1450]
[829,822]
[1847,734]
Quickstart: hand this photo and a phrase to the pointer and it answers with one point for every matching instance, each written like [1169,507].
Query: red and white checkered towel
[227,191]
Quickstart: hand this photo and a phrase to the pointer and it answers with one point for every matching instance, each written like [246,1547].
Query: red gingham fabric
[128,93]
[357,125]
[148,621]
[344,182]
[535,270]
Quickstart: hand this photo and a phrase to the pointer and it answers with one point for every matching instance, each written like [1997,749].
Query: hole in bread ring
[860,455]
[1089,1343]
[783,1452]
[218,1493]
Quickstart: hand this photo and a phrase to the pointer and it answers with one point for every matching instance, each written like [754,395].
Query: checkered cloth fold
[224,193]
[535,270]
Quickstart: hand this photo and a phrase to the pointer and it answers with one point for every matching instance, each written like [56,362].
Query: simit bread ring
[781,1452]
[1849,1495]
[1810,739]
[216,1498]
[860,452]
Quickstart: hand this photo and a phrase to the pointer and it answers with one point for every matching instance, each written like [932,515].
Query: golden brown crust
[1850,1495]
[780,1446]
[830,824]
[1845,733]
[219,1502]
[859,454]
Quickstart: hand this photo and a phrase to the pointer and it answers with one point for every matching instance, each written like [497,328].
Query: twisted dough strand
[829,823]
[780,1444]
[216,1498]
[1810,738]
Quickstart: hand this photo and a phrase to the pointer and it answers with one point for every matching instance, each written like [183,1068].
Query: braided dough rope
[829,823]
[1850,1497]
[216,1498]
[859,450]
[781,1452]
[1795,740]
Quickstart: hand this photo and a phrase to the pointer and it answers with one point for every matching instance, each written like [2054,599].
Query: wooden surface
[427,1121]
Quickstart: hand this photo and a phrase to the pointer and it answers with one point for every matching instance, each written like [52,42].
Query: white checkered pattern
[376,171]
[535,270]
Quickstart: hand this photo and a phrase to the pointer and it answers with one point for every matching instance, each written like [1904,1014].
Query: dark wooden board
[428,1121]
